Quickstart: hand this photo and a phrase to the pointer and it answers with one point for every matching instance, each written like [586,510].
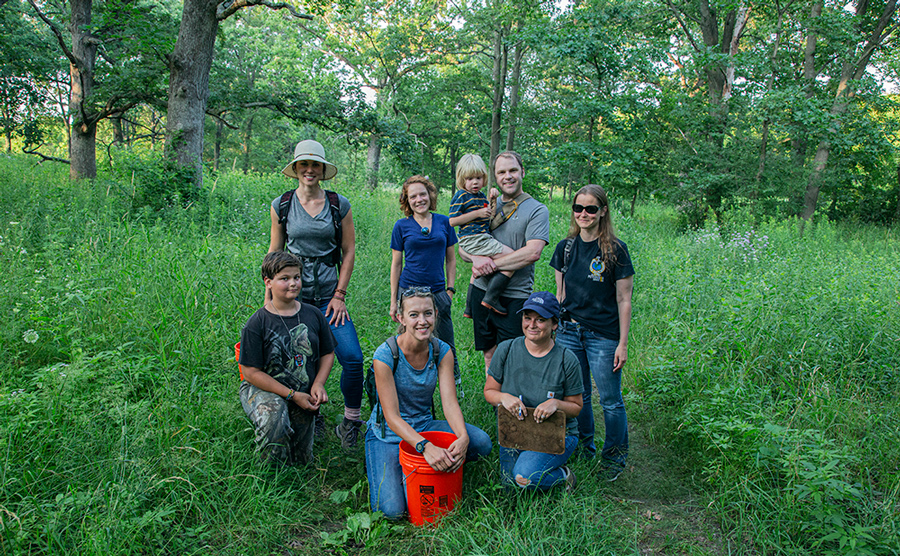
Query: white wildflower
[30,336]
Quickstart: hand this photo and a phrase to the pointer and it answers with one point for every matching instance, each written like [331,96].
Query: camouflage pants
[284,431]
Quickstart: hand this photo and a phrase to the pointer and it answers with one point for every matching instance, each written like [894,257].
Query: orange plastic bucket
[237,357]
[429,493]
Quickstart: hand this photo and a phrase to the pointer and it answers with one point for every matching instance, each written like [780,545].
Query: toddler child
[471,211]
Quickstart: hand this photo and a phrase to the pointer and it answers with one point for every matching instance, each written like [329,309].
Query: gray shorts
[284,431]
[483,245]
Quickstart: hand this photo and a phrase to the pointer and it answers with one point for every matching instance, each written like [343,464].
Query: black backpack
[284,208]
[369,383]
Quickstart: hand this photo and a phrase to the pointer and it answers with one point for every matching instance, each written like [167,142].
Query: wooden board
[548,437]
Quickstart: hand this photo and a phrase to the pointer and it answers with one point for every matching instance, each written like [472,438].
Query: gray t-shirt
[531,220]
[537,379]
[313,236]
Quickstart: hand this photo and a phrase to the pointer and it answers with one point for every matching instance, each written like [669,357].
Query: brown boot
[495,288]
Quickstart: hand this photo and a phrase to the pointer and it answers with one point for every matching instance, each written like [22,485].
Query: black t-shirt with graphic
[287,348]
[591,284]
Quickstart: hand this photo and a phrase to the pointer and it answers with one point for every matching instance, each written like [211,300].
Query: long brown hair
[607,239]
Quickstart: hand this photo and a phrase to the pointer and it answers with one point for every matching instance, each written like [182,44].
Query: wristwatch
[420,446]
[451,290]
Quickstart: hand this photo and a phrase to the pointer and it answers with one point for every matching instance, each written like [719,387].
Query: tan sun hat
[310,150]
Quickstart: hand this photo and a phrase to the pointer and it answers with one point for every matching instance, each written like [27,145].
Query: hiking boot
[571,479]
[348,432]
[319,424]
[495,289]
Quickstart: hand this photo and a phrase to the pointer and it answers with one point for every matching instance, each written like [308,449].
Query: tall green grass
[773,368]
[768,366]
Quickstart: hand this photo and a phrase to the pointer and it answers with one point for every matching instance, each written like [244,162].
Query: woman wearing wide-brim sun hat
[317,225]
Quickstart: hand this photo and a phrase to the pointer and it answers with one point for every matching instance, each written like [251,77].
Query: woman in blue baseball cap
[532,371]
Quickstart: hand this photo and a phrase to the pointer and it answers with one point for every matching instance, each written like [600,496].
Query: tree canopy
[777,108]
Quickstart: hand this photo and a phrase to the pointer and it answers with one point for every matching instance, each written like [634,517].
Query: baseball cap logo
[537,300]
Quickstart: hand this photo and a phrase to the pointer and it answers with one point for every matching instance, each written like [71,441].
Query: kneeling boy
[287,351]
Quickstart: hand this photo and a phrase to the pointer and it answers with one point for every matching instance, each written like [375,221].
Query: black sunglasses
[416,291]
[590,209]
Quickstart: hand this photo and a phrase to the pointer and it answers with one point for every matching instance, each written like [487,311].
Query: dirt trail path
[658,502]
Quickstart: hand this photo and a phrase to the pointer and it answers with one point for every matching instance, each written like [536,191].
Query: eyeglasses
[416,291]
[590,209]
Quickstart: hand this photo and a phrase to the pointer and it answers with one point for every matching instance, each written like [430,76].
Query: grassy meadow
[762,388]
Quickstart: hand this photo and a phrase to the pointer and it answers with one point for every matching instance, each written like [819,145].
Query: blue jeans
[597,355]
[349,355]
[544,471]
[387,486]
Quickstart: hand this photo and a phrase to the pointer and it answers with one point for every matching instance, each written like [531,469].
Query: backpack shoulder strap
[395,352]
[436,351]
[567,253]
[335,204]
[284,207]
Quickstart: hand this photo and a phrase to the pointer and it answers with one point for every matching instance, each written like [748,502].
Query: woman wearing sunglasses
[422,254]
[405,388]
[594,281]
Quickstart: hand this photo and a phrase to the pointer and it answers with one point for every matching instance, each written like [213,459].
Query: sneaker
[319,425]
[348,432]
[571,479]
[610,472]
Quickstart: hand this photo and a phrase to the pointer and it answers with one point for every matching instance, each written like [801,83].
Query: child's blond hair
[469,166]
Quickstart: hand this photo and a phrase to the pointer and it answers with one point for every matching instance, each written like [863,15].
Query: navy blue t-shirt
[423,254]
[591,284]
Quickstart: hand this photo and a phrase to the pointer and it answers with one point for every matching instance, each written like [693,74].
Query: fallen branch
[45,157]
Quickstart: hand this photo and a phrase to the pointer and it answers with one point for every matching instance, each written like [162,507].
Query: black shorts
[489,327]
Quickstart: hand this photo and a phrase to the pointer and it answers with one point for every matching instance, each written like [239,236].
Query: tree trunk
[800,142]
[82,145]
[718,86]
[514,97]
[853,69]
[217,146]
[118,130]
[814,185]
[248,134]
[763,150]
[454,158]
[189,68]
[897,212]
[770,84]
[8,130]
[373,160]
[499,80]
